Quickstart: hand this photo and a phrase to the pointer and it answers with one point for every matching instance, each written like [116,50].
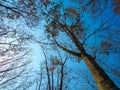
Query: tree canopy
[87,30]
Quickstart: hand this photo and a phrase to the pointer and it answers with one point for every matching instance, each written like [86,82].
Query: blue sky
[93,42]
[92,23]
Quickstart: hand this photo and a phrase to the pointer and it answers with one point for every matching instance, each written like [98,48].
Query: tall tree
[54,74]
[68,22]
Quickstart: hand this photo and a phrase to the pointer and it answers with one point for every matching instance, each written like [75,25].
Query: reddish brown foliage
[116,4]
[72,11]
[57,62]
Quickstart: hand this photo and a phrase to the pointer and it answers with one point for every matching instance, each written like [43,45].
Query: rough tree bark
[102,79]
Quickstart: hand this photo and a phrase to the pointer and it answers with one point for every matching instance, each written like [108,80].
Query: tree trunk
[102,79]
[61,78]
[48,76]
[52,79]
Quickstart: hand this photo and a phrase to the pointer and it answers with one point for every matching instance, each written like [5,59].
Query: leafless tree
[14,57]
[54,74]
